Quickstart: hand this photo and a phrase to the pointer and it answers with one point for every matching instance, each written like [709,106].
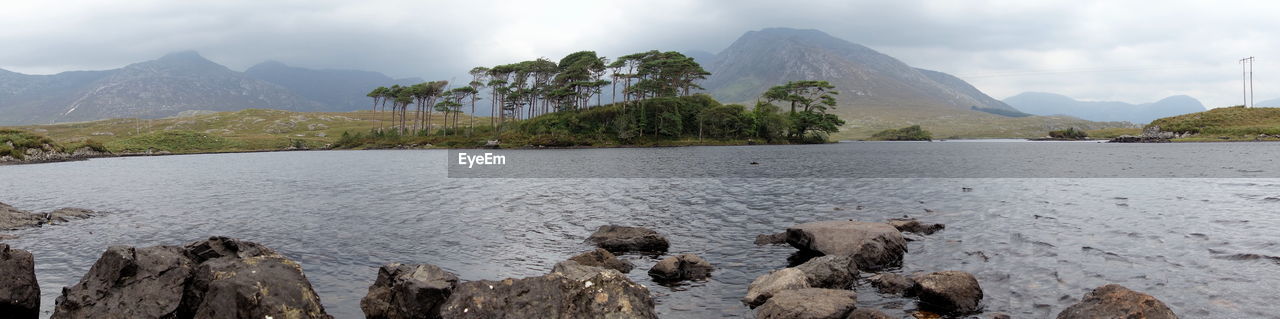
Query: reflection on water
[1206,247]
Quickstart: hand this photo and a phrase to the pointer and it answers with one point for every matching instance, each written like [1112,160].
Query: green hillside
[1228,123]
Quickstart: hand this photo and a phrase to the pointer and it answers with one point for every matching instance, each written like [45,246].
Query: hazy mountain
[865,78]
[1054,104]
[1269,103]
[178,82]
[336,90]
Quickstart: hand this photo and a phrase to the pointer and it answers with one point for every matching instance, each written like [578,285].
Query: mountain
[336,90]
[1269,103]
[876,91]
[174,83]
[865,78]
[1053,104]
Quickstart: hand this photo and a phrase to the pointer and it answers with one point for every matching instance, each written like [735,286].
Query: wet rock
[215,278]
[872,246]
[681,267]
[887,283]
[948,292]
[771,239]
[865,313]
[621,239]
[603,258]
[606,293]
[837,272]
[915,226]
[19,292]
[408,291]
[13,218]
[809,303]
[767,285]
[1116,301]
[123,278]
[999,315]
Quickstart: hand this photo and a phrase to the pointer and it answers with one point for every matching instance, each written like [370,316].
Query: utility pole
[1246,81]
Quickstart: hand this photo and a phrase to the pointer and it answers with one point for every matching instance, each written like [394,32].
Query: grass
[1228,123]
[952,123]
[1110,133]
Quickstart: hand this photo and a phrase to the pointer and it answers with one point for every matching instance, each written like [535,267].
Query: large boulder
[19,292]
[894,284]
[622,239]
[573,291]
[681,267]
[1116,301]
[603,258]
[864,313]
[408,291]
[215,278]
[768,285]
[915,226]
[12,218]
[872,246]
[836,272]
[809,303]
[128,282]
[948,292]
[67,214]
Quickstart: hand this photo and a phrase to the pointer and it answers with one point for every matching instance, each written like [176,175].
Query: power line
[1246,81]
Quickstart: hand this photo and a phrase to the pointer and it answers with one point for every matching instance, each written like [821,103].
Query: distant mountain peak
[1050,104]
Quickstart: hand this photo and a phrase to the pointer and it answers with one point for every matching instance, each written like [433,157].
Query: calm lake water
[1192,224]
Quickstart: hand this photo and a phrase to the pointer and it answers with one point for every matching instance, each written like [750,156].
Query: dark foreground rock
[681,267]
[864,313]
[408,291]
[915,226]
[894,284]
[12,218]
[571,291]
[603,258]
[622,239]
[1116,301]
[873,246]
[771,239]
[215,278]
[809,303]
[836,272]
[948,292]
[19,292]
[766,286]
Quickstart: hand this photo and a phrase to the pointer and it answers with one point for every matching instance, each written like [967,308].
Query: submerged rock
[864,313]
[887,283]
[215,278]
[948,292]
[19,292]
[837,272]
[771,239]
[767,285]
[915,226]
[603,258]
[1116,301]
[815,303]
[621,239]
[13,218]
[681,267]
[572,291]
[408,291]
[872,246]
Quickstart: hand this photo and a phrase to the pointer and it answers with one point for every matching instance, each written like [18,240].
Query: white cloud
[1133,51]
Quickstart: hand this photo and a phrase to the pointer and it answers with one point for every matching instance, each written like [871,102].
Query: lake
[1045,222]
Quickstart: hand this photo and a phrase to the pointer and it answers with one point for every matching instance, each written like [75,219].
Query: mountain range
[1055,104]
[876,91]
[178,82]
[1269,103]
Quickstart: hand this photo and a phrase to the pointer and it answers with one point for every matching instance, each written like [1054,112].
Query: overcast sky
[1132,51]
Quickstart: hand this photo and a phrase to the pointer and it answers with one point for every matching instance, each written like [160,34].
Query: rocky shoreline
[222,277]
[14,219]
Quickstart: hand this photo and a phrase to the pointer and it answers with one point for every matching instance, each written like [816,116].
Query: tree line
[658,99]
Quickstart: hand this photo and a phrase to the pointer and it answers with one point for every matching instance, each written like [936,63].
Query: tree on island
[809,101]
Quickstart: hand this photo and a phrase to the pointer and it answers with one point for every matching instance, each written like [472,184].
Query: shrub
[910,133]
[1069,133]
